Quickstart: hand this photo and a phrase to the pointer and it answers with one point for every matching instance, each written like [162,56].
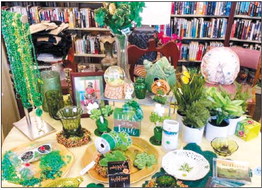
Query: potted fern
[189,88]
[224,108]
[195,120]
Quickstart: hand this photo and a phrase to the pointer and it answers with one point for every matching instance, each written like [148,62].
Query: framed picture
[87,87]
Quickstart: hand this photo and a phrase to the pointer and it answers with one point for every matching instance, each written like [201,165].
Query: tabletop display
[118,133]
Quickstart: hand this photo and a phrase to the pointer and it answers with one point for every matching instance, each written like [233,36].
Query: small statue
[128,90]
[90,96]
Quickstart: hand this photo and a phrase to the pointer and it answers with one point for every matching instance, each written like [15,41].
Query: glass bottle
[140,88]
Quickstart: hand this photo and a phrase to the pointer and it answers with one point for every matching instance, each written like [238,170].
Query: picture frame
[87,87]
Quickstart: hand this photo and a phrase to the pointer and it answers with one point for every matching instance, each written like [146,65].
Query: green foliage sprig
[197,115]
[104,111]
[119,15]
[155,118]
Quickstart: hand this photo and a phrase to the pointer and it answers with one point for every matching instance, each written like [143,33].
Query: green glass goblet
[70,117]
[157,138]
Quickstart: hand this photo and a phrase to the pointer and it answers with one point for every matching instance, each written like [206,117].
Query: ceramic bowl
[224,146]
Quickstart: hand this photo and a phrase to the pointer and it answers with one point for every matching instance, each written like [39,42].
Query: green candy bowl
[224,146]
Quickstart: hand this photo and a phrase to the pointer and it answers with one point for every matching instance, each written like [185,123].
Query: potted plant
[188,89]
[157,118]
[195,120]
[224,108]
[241,94]
[100,114]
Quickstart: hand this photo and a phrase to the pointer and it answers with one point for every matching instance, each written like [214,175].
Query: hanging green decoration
[22,59]
[119,15]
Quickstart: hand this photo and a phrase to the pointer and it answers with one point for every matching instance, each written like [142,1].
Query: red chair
[250,59]
[169,50]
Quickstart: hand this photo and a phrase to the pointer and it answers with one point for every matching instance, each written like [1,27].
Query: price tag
[126,31]
[118,173]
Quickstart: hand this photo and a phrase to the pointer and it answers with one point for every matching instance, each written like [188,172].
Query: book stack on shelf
[252,9]
[194,51]
[87,45]
[201,8]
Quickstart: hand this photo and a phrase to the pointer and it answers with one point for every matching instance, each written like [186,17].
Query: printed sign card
[118,173]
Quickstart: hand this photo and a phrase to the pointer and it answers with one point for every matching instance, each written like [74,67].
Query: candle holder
[68,80]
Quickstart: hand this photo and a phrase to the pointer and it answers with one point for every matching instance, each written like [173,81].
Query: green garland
[119,15]
[24,67]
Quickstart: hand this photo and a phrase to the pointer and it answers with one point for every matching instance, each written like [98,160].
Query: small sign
[118,173]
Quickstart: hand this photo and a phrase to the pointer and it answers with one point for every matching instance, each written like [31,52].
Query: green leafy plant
[197,115]
[144,160]
[185,167]
[223,106]
[112,156]
[188,91]
[119,15]
[104,111]
[155,118]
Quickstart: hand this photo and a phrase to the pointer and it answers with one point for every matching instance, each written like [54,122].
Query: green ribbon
[110,140]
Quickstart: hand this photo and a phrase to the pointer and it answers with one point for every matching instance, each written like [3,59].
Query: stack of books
[87,45]
[201,8]
[76,18]
[246,30]
[249,8]
[194,51]
[199,28]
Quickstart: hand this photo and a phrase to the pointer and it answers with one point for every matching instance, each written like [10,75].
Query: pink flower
[250,122]
[90,90]
[241,133]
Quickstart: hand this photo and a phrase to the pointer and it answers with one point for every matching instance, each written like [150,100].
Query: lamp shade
[156,13]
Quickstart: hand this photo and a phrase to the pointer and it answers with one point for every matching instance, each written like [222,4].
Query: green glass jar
[55,102]
[140,88]
[51,81]
[101,127]
[70,117]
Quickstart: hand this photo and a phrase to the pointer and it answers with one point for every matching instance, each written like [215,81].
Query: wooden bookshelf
[247,17]
[248,41]
[90,55]
[91,29]
[198,16]
[213,39]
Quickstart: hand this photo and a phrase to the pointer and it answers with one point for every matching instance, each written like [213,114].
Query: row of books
[77,18]
[249,8]
[194,51]
[248,46]
[201,8]
[246,29]
[196,28]
[87,45]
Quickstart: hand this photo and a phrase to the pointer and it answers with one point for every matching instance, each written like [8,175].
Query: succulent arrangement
[143,160]
[119,15]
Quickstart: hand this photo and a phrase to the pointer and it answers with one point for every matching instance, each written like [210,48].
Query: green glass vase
[70,117]
[54,100]
[51,81]
[101,127]
[140,88]
[157,138]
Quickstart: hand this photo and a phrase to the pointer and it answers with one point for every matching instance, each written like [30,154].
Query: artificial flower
[92,106]
[159,109]
[185,79]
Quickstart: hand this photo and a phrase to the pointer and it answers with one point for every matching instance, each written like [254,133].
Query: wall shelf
[247,17]
[199,16]
[247,41]
[213,39]
[90,29]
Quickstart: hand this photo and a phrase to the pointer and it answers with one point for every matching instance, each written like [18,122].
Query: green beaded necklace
[22,59]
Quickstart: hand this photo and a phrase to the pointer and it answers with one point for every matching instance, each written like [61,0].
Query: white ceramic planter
[192,135]
[213,131]
[233,124]
[179,119]
[170,135]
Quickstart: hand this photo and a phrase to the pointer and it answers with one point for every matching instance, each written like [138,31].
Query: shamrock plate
[185,165]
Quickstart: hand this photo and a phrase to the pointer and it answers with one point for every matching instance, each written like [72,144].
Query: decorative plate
[185,165]
[139,145]
[32,164]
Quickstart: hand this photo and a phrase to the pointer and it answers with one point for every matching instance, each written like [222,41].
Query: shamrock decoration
[119,15]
